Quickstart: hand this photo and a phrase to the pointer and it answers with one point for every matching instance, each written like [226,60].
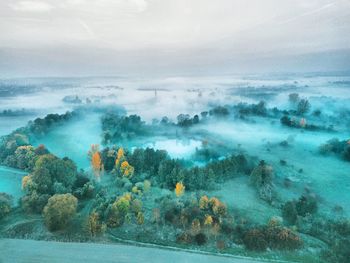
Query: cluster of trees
[273,236]
[305,205]
[262,179]
[156,165]
[337,147]
[114,212]
[13,156]
[302,124]
[185,120]
[117,128]
[41,126]
[8,147]
[50,175]
[14,113]
[245,109]
[199,218]
[335,233]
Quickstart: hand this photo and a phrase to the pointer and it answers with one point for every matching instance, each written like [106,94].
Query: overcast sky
[84,37]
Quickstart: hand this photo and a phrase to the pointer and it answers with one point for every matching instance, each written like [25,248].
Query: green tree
[60,209]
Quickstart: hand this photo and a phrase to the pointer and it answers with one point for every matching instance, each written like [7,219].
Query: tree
[179,189]
[208,221]
[60,209]
[146,186]
[218,208]
[293,98]
[126,169]
[204,202]
[94,226]
[96,164]
[26,180]
[5,204]
[196,226]
[303,106]
[140,218]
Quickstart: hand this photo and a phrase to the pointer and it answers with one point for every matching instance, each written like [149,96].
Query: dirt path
[30,251]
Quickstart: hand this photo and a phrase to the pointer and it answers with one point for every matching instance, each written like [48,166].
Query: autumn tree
[204,202]
[94,225]
[126,169]
[217,206]
[93,149]
[179,189]
[208,220]
[122,166]
[97,165]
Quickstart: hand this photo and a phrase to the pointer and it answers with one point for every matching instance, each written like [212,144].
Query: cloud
[140,5]
[31,6]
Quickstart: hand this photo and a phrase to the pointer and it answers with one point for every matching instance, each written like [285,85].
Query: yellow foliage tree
[120,157]
[126,169]
[208,221]
[179,189]
[122,166]
[204,202]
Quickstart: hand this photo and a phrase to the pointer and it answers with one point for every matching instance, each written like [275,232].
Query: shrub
[339,251]
[184,238]
[254,239]
[201,239]
[60,209]
[306,205]
[261,177]
[283,238]
[289,212]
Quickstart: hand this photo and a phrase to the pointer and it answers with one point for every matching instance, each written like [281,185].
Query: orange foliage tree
[179,189]
[96,164]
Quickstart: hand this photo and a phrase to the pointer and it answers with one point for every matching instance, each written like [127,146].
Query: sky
[111,37]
